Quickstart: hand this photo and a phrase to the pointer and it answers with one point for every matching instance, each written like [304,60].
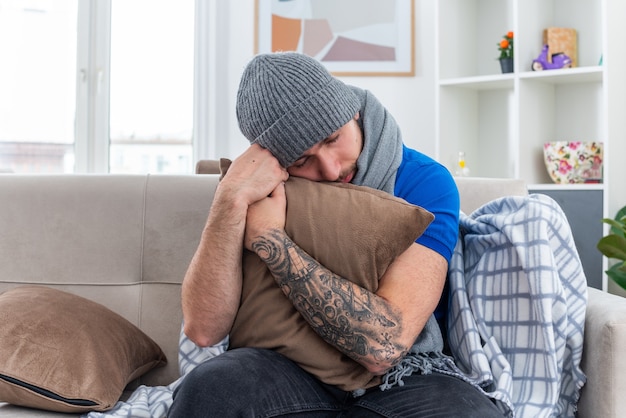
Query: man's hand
[265,215]
[253,175]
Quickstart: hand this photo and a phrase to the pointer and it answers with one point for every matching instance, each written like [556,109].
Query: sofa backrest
[124,241]
[476,191]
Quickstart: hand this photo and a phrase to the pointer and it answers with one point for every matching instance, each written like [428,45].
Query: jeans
[250,382]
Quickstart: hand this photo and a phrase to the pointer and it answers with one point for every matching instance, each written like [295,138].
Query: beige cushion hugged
[354,231]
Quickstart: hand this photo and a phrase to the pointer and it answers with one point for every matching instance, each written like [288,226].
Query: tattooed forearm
[356,321]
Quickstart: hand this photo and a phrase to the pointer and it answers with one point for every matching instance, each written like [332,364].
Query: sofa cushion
[355,232]
[65,353]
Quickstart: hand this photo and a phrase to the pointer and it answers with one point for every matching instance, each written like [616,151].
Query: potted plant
[613,245]
[506,53]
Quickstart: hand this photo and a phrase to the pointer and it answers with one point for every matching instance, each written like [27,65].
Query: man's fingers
[279,191]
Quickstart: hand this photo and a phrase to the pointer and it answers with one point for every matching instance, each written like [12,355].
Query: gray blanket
[518,297]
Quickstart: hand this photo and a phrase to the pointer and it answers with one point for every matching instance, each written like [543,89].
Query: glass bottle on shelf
[462,170]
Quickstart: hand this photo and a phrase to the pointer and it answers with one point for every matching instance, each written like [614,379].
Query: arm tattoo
[354,320]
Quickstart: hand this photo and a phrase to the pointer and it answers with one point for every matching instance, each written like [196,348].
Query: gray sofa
[125,241]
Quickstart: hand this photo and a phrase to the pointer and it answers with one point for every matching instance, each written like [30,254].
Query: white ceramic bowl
[574,161]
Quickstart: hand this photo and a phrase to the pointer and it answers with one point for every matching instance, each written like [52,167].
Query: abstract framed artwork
[350,37]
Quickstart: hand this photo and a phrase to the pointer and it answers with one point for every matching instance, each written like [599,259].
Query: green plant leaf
[620,217]
[617,275]
[617,227]
[613,246]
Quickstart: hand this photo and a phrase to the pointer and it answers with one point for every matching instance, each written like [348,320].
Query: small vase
[506,64]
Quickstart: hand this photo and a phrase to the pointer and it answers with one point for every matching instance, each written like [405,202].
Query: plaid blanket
[517,306]
[517,309]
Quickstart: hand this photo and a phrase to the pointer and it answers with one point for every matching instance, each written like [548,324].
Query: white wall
[616,80]
[410,99]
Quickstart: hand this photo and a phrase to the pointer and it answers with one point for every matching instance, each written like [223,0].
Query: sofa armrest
[208,167]
[604,358]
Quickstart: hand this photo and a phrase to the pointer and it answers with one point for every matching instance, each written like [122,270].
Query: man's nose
[329,168]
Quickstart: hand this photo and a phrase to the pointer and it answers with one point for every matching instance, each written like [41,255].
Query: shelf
[578,187]
[506,81]
[566,75]
[483,82]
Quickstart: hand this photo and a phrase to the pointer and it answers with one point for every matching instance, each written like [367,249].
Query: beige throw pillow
[65,353]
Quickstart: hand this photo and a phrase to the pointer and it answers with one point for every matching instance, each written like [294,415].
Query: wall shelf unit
[501,121]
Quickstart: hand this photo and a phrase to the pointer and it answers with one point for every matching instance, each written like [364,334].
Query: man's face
[334,158]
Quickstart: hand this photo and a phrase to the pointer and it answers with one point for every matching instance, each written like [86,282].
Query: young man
[301,121]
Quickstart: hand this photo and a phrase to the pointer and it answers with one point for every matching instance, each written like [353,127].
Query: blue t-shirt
[424,182]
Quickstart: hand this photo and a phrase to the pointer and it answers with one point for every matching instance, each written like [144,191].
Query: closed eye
[331,139]
[306,158]
[300,163]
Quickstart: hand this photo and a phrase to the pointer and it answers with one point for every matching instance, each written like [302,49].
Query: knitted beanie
[287,102]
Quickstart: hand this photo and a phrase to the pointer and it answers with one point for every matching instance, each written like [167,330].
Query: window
[37,85]
[152,64]
[104,86]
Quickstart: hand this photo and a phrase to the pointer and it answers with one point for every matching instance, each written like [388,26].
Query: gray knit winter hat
[287,102]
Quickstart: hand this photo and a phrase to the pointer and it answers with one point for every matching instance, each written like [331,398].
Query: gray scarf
[382,144]
[377,167]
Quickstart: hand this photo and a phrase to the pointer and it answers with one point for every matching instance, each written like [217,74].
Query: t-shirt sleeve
[432,187]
